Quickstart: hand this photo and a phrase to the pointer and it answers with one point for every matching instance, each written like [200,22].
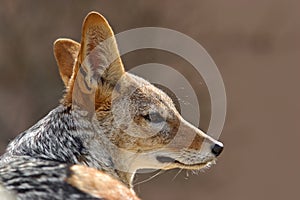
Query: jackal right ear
[66,52]
[99,60]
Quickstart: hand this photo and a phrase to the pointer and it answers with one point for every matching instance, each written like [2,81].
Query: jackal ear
[99,60]
[66,52]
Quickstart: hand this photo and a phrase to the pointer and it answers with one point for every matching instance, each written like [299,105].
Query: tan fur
[99,184]
[66,52]
[95,30]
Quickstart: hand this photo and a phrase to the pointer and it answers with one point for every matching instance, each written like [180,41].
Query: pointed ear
[66,52]
[99,59]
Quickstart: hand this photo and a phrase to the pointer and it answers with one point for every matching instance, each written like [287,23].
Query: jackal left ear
[66,52]
[99,59]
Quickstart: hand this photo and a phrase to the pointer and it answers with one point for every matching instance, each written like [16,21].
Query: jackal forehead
[142,93]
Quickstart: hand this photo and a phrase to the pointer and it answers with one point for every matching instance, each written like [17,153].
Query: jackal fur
[108,120]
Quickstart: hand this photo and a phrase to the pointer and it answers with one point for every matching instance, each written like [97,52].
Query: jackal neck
[67,136]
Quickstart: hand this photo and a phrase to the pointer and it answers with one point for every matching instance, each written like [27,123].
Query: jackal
[109,125]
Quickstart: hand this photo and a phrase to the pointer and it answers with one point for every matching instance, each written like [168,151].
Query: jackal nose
[217,149]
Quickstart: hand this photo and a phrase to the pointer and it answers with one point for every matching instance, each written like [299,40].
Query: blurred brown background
[255,45]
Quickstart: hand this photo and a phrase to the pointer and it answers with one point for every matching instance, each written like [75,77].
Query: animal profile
[110,123]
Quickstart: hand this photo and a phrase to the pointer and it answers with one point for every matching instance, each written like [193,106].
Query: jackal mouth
[178,164]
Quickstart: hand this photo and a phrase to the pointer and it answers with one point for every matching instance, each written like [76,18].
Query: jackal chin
[173,163]
[197,166]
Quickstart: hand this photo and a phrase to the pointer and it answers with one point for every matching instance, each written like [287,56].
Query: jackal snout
[202,139]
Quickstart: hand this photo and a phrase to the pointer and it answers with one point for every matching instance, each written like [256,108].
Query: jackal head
[133,120]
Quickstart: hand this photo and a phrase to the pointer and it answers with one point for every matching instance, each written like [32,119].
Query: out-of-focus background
[255,44]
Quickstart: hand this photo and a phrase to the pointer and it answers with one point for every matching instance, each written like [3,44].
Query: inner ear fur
[99,56]
[98,66]
[66,53]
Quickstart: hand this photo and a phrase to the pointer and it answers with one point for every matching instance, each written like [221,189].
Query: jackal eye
[154,117]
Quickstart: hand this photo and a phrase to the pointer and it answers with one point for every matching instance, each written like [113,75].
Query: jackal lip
[166,159]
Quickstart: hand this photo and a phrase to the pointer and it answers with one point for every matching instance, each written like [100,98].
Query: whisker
[186,174]
[150,178]
[196,172]
[177,174]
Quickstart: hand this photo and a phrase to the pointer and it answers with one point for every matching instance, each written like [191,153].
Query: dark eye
[154,117]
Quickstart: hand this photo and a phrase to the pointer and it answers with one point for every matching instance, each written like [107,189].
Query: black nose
[217,149]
